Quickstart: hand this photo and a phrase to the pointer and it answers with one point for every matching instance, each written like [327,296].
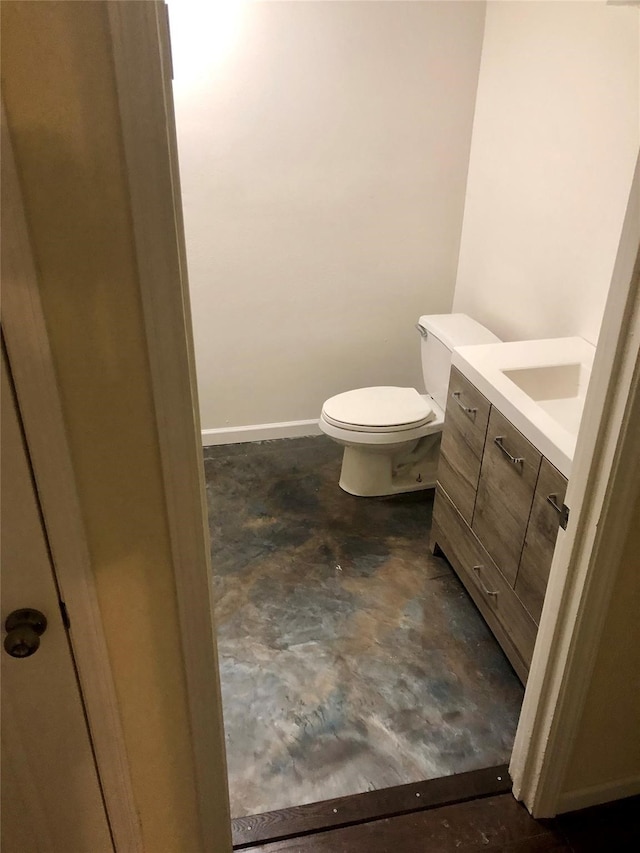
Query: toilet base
[377,470]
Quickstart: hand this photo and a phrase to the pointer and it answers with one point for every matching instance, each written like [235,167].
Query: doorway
[256,327]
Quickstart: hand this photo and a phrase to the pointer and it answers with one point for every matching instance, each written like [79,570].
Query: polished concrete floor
[351,659]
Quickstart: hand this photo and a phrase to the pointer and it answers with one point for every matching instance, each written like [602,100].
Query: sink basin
[559,389]
[540,386]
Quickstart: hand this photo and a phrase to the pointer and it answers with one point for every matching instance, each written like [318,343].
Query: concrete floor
[351,659]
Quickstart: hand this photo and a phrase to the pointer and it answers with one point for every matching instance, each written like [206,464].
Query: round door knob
[24,629]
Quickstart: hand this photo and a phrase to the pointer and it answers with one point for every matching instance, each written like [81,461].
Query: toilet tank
[440,333]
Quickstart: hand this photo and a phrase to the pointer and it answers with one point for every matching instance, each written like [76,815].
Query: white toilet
[391,436]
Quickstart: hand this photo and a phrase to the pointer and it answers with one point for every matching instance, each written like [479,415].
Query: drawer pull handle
[466,409]
[515,460]
[563,511]
[486,591]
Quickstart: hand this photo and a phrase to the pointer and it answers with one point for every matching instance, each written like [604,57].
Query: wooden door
[51,798]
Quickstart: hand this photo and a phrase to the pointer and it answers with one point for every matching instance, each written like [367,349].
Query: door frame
[601,494]
[142,62]
[581,579]
[33,373]
[138,39]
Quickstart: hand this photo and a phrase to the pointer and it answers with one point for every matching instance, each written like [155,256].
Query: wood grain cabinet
[508,476]
[463,443]
[498,508]
[540,541]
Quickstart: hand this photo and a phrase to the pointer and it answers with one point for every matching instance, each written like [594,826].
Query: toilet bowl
[391,435]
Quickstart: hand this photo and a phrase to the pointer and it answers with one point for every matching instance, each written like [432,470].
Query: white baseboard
[584,798]
[259,432]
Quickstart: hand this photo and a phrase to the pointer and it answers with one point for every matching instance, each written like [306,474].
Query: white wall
[554,144]
[323,162]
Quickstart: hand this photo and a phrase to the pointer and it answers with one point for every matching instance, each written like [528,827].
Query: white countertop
[555,373]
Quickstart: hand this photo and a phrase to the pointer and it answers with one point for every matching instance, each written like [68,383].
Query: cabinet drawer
[540,539]
[462,444]
[514,629]
[508,477]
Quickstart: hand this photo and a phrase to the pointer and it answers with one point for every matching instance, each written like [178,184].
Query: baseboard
[259,432]
[596,795]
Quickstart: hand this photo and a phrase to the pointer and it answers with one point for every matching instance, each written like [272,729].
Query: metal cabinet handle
[466,409]
[515,460]
[552,499]
[563,511]
[486,591]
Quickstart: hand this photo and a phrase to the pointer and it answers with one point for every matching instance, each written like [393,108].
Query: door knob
[24,629]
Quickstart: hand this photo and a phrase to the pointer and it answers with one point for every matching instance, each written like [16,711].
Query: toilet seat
[380,409]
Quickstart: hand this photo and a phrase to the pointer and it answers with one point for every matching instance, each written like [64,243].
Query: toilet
[391,435]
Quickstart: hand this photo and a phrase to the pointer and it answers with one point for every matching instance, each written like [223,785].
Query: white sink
[540,386]
[559,389]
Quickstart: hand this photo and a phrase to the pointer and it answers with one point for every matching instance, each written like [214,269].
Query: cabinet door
[540,540]
[508,477]
[514,629]
[462,444]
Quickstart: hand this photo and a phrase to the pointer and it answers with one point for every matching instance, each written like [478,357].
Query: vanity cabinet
[496,516]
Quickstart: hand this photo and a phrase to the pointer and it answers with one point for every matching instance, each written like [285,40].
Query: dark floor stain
[351,659]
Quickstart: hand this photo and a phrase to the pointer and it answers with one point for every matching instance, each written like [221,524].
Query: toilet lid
[380,409]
